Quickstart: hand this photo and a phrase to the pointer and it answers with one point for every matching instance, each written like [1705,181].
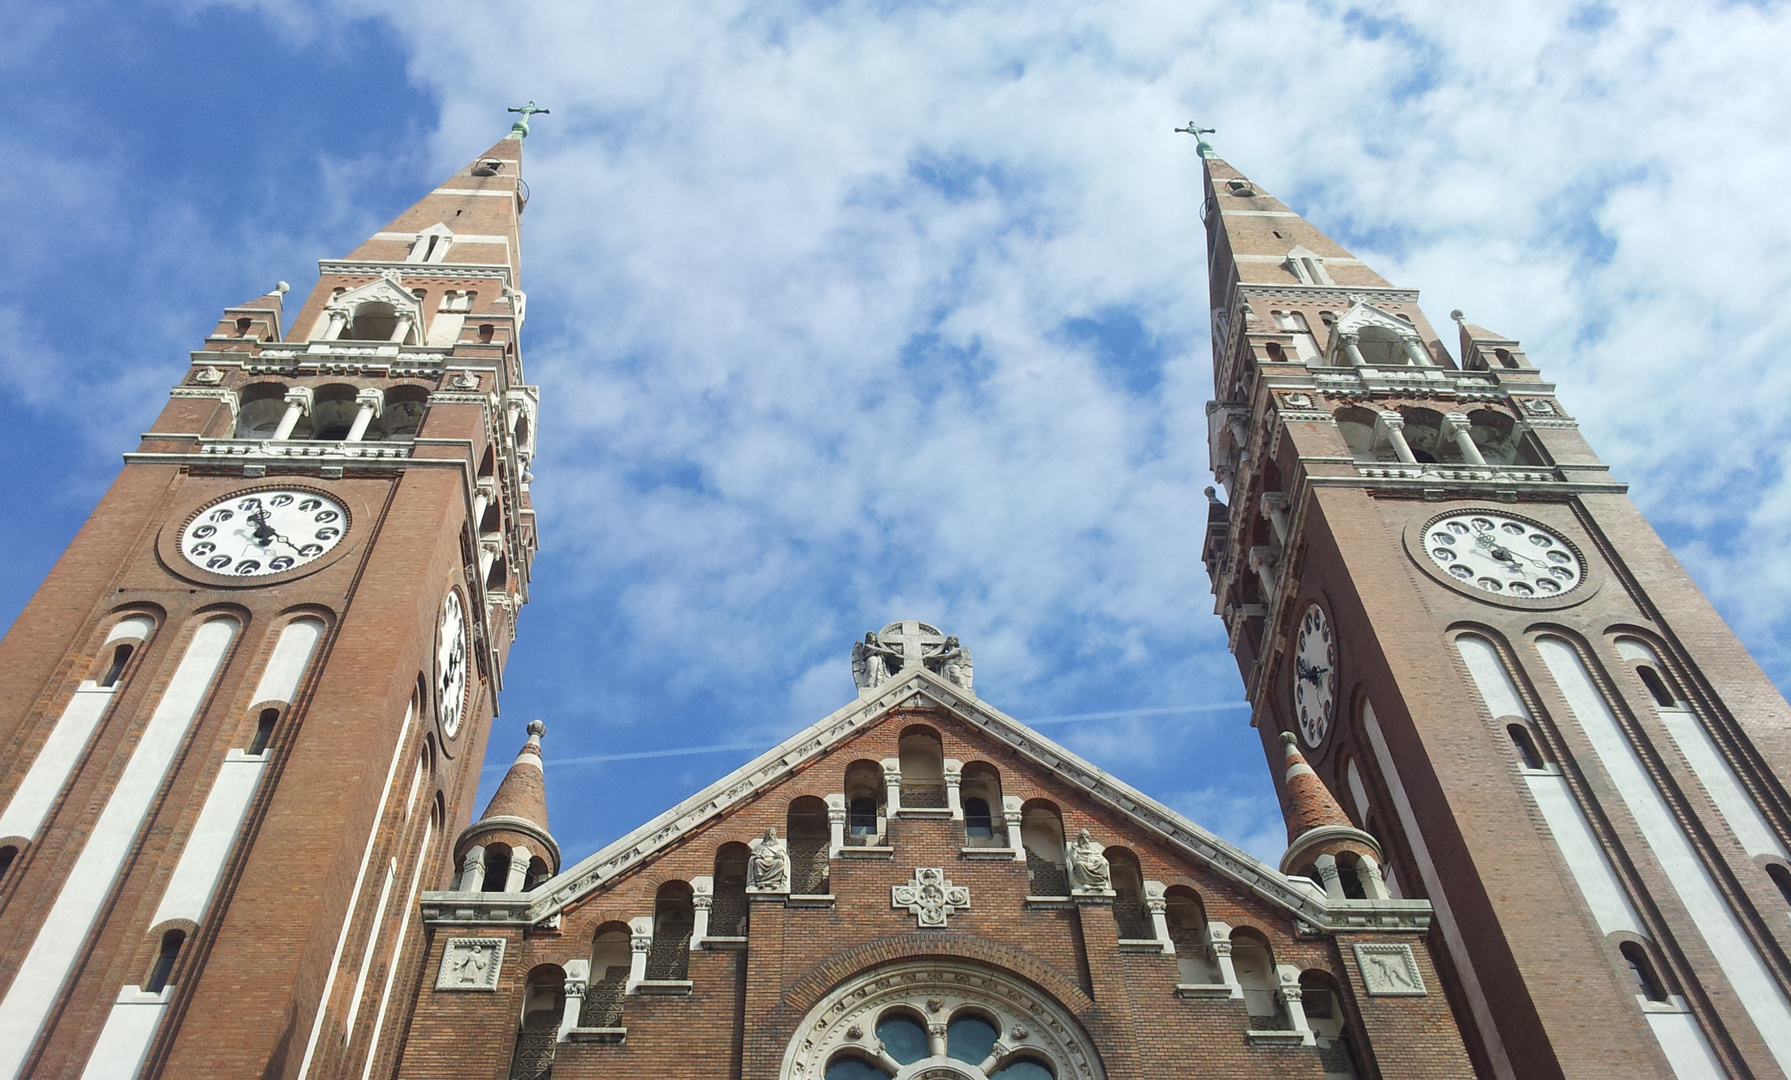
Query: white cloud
[806,278]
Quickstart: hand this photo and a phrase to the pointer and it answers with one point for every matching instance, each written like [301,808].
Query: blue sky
[852,312]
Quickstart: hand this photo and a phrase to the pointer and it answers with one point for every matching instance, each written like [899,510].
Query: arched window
[543,1005]
[1647,982]
[981,795]
[1505,357]
[1526,746]
[865,808]
[373,320]
[1357,425]
[610,958]
[673,918]
[164,961]
[1128,900]
[1657,686]
[1425,436]
[264,731]
[403,412]
[1041,833]
[497,868]
[1255,967]
[1350,874]
[1186,917]
[1276,354]
[1323,1004]
[7,855]
[1498,437]
[727,917]
[121,655]
[333,410]
[1294,323]
[923,769]
[1779,875]
[537,873]
[809,837]
[259,409]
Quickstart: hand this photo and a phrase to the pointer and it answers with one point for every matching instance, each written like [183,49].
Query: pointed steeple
[457,250]
[1319,832]
[254,321]
[511,840]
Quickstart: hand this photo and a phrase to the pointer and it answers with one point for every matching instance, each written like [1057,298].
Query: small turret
[509,849]
[1321,841]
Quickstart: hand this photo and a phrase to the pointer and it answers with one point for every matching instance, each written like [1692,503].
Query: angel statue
[1089,869]
[872,662]
[952,662]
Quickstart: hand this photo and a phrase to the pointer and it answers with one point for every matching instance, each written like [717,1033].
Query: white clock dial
[265,531]
[450,666]
[1503,555]
[1315,676]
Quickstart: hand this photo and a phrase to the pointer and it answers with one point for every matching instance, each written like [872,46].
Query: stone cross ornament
[884,654]
[930,896]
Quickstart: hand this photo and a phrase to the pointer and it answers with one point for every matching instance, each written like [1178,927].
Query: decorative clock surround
[1315,676]
[450,666]
[1502,558]
[262,532]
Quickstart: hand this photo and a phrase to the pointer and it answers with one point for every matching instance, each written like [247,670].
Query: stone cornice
[359,267]
[919,688]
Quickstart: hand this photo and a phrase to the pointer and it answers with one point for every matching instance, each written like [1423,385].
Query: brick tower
[1496,668]
[244,715]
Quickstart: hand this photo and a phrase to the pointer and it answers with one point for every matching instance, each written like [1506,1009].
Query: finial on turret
[520,129]
[1204,148]
[281,288]
[537,728]
[1457,315]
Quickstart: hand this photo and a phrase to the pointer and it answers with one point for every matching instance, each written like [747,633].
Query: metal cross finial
[520,129]
[1204,149]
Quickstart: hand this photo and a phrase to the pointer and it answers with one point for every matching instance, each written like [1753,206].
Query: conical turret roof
[523,794]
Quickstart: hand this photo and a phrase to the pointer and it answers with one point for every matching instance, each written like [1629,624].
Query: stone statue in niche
[952,662]
[874,662]
[768,867]
[1089,870]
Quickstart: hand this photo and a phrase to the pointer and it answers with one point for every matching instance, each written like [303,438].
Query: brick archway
[882,952]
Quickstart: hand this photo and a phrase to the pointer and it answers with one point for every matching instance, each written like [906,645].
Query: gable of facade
[957,889]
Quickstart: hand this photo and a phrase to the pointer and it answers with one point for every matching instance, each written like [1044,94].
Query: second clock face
[1503,555]
[1315,676]
[265,531]
[450,665]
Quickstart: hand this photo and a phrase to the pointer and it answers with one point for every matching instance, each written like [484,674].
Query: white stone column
[1157,903]
[836,824]
[484,493]
[472,870]
[1459,427]
[578,977]
[892,786]
[488,553]
[954,780]
[1274,507]
[519,869]
[702,901]
[1372,882]
[640,939]
[1010,812]
[1329,876]
[1392,425]
[338,322]
[1354,350]
[298,404]
[1415,352]
[1288,979]
[402,330]
[1263,561]
[373,403]
[936,1038]
[1218,936]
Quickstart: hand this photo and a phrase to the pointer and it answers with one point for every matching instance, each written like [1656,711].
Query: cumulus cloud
[852,312]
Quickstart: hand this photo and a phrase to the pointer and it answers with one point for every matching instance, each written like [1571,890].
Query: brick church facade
[1531,782]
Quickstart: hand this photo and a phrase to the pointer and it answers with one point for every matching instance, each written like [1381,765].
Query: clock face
[265,531]
[1315,676]
[450,665]
[1503,555]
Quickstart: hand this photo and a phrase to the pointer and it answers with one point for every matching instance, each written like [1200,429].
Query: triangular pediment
[1362,315]
[921,689]
[387,289]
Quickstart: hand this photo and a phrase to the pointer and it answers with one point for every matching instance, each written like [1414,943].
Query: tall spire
[509,848]
[1318,831]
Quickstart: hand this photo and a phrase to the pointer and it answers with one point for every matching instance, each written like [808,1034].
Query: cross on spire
[1204,149]
[520,129]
